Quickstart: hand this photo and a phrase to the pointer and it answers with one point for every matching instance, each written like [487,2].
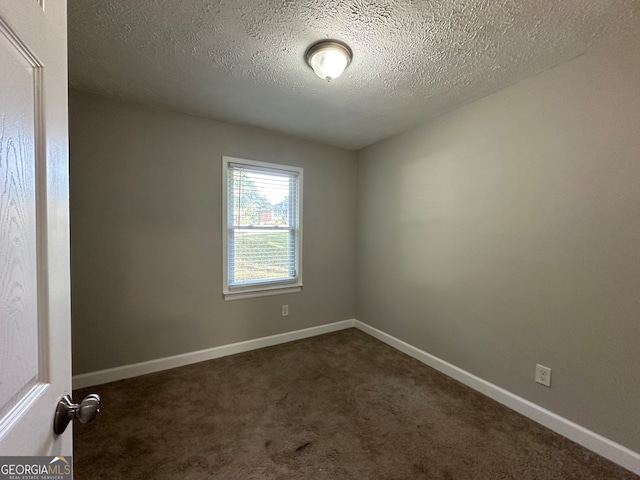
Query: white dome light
[329,59]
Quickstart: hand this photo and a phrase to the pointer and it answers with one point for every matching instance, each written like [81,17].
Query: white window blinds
[262,225]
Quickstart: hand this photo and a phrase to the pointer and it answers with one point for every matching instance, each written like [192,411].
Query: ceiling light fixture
[329,58]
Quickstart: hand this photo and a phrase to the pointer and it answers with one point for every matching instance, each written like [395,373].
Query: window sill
[228,296]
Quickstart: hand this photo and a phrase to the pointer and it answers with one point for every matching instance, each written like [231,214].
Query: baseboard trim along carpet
[134,370]
[592,441]
[596,443]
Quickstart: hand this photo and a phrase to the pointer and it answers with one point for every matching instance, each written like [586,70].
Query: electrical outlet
[543,375]
[285,310]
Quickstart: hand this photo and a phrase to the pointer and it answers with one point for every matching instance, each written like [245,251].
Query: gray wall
[507,233]
[146,234]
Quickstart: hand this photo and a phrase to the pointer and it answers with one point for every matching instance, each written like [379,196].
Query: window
[262,237]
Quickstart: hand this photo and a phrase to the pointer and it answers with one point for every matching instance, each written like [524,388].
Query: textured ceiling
[243,61]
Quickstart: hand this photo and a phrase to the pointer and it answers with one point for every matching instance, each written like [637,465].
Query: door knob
[66,411]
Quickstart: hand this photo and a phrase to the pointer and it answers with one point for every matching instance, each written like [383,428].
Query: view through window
[263,234]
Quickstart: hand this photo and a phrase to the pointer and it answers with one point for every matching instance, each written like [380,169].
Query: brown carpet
[338,406]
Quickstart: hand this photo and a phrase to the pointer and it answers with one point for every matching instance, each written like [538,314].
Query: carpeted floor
[335,407]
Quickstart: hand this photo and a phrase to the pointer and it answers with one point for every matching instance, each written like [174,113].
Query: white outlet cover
[543,375]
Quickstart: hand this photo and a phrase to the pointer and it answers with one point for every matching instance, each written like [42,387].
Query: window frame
[258,289]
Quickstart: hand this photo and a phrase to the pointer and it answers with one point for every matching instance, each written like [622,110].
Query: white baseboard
[597,443]
[128,371]
[615,452]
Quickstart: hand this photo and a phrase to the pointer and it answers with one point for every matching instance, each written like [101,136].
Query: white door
[35,351]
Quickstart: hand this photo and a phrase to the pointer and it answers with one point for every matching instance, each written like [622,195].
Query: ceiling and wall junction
[243,62]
